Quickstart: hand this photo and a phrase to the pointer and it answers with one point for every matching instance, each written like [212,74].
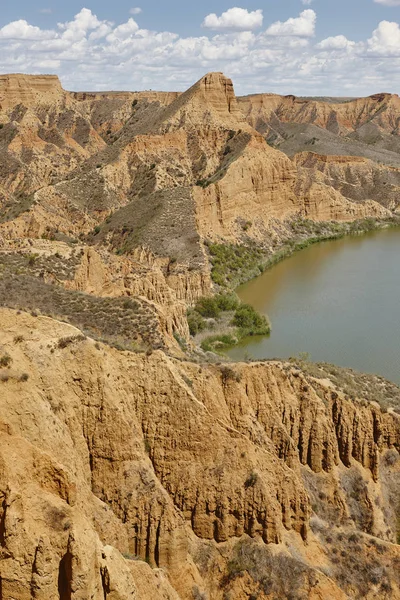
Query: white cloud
[307,2]
[234,19]
[303,25]
[136,10]
[21,30]
[388,2]
[45,11]
[124,31]
[385,40]
[90,53]
[338,42]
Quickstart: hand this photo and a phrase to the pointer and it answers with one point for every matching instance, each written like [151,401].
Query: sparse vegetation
[273,575]
[67,341]
[128,323]
[357,386]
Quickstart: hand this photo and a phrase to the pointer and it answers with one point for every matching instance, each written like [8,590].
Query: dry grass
[356,385]
[122,322]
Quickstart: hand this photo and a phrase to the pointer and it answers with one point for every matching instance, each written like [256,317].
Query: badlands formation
[133,465]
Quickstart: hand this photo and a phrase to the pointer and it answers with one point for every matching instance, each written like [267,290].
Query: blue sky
[336,47]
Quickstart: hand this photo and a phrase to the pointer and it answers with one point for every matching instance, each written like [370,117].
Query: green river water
[339,301]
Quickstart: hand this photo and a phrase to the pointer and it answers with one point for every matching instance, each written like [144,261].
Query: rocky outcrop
[29,90]
[339,117]
[355,177]
[108,457]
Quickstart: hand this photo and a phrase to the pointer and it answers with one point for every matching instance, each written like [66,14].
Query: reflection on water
[339,301]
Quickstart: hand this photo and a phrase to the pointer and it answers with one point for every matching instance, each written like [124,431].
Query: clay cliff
[111,460]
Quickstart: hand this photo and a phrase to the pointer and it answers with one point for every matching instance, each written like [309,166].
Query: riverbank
[233,265]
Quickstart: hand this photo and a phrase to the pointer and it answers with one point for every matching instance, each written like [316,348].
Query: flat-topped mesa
[29,90]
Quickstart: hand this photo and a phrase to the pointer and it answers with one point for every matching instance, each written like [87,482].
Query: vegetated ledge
[221,321]
[234,264]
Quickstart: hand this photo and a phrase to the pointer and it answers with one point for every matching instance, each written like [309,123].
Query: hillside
[134,464]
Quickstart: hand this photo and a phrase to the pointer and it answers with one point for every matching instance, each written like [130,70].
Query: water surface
[339,301]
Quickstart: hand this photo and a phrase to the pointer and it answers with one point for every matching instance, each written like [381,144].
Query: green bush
[250,321]
[208,307]
[233,264]
[195,321]
[218,342]
[226,302]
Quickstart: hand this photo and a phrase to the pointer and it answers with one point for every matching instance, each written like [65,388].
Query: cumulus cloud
[338,42]
[388,2]
[135,10]
[90,53]
[303,25]
[234,19]
[307,2]
[21,30]
[385,40]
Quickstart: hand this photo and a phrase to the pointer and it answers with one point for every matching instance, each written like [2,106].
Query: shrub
[5,360]
[202,183]
[24,377]
[195,321]
[32,259]
[18,339]
[250,321]
[66,341]
[251,480]
[208,307]
[226,302]
[229,374]
[130,304]
[134,103]
[233,264]
[218,342]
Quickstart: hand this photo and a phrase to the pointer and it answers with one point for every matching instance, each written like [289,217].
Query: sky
[301,47]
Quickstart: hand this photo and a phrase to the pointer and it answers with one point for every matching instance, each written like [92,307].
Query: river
[338,301]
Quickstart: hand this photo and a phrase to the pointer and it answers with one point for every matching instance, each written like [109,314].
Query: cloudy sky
[303,47]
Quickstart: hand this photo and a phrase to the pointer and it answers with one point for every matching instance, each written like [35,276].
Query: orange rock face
[108,457]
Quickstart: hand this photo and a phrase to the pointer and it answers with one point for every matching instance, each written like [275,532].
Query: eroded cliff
[112,458]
